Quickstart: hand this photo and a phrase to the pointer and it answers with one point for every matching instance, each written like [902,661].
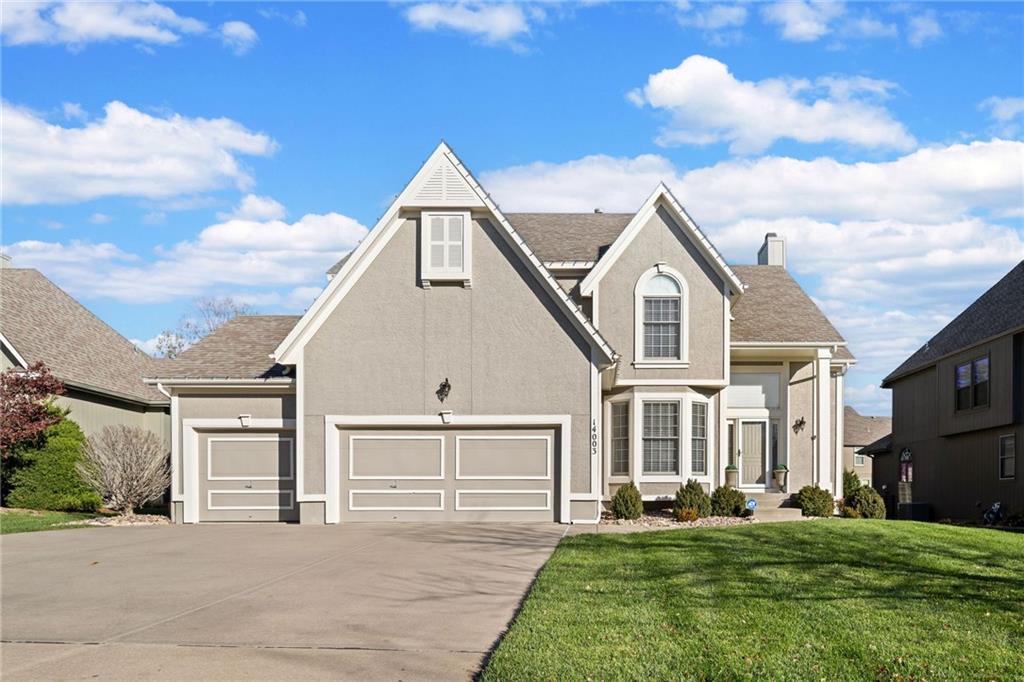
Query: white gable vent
[445,186]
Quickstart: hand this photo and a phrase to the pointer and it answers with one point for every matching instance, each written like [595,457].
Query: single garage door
[448,474]
[247,476]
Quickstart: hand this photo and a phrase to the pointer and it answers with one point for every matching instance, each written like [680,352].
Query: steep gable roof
[442,181]
[44,323]
[996,312]
[860,429]
[238,349]
[775,309]
[660,197]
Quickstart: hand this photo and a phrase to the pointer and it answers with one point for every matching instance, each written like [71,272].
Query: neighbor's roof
[998,311]
[569,236]
[859,429]
[238,349]
[882,446]
[44,323]
[774,309]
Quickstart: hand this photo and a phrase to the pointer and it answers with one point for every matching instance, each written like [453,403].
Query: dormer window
[446,254]
[661,319]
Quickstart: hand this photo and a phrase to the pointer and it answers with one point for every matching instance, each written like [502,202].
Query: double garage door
[448,474]
[247,476]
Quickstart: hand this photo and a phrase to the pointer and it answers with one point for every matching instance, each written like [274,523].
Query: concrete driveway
[366,601]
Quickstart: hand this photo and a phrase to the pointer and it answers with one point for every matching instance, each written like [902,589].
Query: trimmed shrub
[686,515]
[727,501]
[851,483]
[866,503]
[813,501]
[47,477]
[692,496]
[627,503]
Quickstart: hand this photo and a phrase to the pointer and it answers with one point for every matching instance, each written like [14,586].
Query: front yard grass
[28,520]
[808,600]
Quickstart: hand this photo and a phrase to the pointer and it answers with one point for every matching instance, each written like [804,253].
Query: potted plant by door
[732,476]
[779,474]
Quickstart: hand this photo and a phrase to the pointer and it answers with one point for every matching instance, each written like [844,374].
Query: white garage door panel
[396,500]
[250,459]
[503,457]
[250,499]
[502,500]
[396,457]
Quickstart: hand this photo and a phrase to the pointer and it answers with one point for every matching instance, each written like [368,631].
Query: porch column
[822,418]
[840,403]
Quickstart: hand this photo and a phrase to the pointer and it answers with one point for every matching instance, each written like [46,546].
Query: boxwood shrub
[627,503]
[867,503]
[727,501]
[45,474]
[814,501]
[692,496]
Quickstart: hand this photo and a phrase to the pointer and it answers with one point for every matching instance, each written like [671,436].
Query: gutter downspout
[160,387]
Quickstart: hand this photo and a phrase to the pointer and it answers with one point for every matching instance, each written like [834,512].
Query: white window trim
[859,460]
[685,437]
[617,478]
[999,456]
[427,273]
[707,437]
[639,360]
[767,414]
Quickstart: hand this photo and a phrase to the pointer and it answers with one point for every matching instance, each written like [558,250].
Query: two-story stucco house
[464,364]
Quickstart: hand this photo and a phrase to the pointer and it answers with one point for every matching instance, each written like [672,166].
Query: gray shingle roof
[569,236]
[882,446]
[774,309]
[998,311]
[44,323]
[859,429]
[238,349]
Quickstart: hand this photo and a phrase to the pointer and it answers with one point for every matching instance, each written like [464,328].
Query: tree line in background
[209,314]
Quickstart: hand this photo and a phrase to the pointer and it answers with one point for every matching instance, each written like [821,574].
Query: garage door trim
[191,429]
[333,425]
[220,439]
[548,455]
[388,491]
[524,491]
[352,460]
[211,493]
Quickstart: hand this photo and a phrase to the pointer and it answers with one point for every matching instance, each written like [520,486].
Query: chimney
[5,260]
[773,251]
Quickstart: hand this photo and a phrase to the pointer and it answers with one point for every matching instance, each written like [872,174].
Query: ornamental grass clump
[127,465]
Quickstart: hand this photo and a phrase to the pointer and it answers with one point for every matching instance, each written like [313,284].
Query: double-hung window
[1007,457]
[662,319]
[699,438]
[445,251]
[971,384]
[661,438]
[620,439]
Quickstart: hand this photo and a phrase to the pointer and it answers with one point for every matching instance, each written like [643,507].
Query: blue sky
[155,153]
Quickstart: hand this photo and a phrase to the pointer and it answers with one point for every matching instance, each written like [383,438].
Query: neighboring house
[467,365]
[957,409]
[102,371]
[860,431]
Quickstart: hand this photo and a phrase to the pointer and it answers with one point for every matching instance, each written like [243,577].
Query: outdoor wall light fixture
[799,425]
[443,390]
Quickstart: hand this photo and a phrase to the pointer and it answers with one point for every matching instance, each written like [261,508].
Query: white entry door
[753,447]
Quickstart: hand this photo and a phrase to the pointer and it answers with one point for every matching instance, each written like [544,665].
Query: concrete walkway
[362,601]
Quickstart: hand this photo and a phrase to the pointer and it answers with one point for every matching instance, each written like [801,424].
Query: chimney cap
[597,210]
[771,234]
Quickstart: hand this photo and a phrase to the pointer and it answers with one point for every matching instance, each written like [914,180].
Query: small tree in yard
[127,465]
[692,496]
[25,411]
[851,483]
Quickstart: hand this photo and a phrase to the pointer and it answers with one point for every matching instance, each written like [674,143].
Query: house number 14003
[593,437]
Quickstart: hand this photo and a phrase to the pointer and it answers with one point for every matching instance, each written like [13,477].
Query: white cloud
[867,26]
[298,18]
[238,36]
[492,23]
[147,345]
[125,153]
[1003,109]
[246,254]
[802,21]
[99,219]
[711,17]
[255,207]
[930,185]
[73,110]
[708,104]
[922,28]
[78,23]
[154,218]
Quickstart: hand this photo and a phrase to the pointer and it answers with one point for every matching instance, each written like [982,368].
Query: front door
[753,436]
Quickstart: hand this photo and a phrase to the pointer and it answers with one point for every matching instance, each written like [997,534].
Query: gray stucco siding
[502,344]
[662,240]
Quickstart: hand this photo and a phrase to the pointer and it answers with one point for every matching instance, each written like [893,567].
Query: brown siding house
[859,431]
[957,414]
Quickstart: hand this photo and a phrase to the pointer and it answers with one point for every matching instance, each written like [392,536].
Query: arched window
[661,317]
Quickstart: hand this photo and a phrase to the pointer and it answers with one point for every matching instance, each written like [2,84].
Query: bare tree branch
[127,465]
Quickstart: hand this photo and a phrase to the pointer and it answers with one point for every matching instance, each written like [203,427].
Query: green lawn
[26,521]
[810,600]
